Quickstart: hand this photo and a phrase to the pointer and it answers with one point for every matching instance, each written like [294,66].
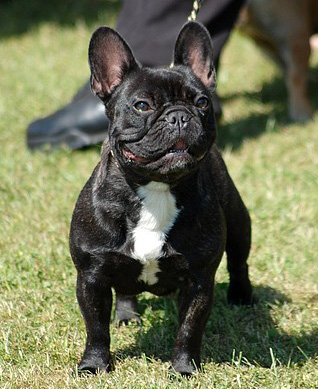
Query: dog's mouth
[179,149]
[131,157]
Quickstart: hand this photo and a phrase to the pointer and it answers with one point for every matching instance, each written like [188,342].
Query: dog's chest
[157,215]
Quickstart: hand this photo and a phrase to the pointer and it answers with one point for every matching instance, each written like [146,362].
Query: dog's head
[162,120]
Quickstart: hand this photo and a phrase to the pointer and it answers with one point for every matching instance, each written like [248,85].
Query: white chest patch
[157,216]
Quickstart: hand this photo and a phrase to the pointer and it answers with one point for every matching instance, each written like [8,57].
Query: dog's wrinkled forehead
[164,84]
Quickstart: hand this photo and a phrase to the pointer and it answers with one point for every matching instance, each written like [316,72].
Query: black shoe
[80,123]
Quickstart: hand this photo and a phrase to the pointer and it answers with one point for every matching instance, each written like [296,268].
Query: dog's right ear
[194,49]
[110,60]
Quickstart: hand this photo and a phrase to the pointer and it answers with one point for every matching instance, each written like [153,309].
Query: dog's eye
[142,106]
[202,103]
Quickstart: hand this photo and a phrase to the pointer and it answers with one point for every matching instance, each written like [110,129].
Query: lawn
[43,61]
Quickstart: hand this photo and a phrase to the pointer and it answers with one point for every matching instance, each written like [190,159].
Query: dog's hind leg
[237,249]
[126,309]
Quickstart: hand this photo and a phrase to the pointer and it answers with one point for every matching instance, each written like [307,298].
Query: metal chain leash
[193,15]
[195,9]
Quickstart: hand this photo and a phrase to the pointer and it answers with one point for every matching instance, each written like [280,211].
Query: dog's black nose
[178,118]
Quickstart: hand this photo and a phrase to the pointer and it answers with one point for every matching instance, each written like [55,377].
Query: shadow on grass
[17,17]
[233,134]
[235,335]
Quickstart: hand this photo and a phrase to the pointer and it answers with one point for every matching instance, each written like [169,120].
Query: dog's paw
[241,294]
[122,320]
[124,316]
[185,365]
[126,310]
[94,362]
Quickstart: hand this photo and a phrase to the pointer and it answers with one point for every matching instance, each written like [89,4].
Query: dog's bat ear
[194,49]
[110,60]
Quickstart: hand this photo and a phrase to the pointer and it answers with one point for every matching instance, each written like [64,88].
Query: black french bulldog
[160,208]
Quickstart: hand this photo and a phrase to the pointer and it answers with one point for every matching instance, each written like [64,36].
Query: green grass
[274,163]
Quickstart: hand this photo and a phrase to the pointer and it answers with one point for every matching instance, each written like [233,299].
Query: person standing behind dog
[150,28]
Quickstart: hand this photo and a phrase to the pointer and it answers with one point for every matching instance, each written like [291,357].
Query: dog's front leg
[95,300]
[194,305]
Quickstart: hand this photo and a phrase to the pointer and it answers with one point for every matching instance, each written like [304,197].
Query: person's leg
[151,29]
[219,18]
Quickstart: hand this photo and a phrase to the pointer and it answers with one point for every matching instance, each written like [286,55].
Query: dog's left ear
[194,49]
[110,60]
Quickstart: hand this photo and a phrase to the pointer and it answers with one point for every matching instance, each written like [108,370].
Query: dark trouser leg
[237,250]
[95,300]
[151,28]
